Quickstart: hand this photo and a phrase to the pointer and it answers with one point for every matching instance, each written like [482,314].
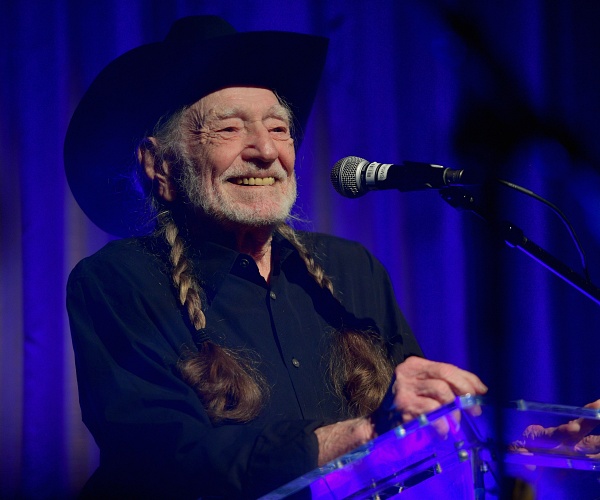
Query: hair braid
[360,370]
[184,280]
[314,269]
[359,366]
[228,383]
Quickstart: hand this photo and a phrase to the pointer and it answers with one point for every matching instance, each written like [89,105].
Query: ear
[156,171]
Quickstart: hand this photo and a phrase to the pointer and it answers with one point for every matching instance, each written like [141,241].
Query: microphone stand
[461,198]
[514,237]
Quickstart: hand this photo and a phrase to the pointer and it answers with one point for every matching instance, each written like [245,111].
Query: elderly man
[222,353]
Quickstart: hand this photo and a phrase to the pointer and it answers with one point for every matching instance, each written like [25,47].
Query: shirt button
[244,263]
[296,363]
[272,294]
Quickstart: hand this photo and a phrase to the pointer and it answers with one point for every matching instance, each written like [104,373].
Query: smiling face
[241,157]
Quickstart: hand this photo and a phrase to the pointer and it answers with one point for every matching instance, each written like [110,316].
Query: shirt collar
[213,262]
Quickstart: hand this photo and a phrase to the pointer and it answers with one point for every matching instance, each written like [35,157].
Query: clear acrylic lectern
[455,453]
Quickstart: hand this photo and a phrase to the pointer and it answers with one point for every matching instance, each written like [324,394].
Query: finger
[588,425]
[474,411]
[454,421]
[441,426]
[539,437]
[573,431]
[447,424]
[590,445]
[409,390]
[595,404]
[461,381]
[417,407]
[517,447]
[410,404]
[565,435]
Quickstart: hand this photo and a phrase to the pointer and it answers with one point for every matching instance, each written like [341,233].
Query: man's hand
[421,386]
[340,438]
[570,438]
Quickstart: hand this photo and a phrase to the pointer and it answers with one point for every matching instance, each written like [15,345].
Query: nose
[260,146]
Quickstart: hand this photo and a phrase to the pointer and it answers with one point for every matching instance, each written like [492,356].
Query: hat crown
[194,29]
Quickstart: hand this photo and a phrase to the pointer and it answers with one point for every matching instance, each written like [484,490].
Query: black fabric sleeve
[155,438]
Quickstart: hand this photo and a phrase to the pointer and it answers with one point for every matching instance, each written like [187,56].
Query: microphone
[353,177]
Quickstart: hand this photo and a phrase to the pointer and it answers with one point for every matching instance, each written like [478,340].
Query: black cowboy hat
[200,54]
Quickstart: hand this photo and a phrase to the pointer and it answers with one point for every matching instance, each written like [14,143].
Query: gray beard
[218,209]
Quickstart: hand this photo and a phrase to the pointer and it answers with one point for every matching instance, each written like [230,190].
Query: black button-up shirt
[129,333]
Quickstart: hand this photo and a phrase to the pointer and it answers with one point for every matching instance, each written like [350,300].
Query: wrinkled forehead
[231,102]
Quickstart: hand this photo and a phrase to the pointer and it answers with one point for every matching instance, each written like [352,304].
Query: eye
[279,129]
[228,126]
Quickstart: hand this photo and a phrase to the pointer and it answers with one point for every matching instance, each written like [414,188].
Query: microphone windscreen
[345,176]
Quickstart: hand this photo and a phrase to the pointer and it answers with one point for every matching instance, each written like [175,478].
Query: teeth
[255,181]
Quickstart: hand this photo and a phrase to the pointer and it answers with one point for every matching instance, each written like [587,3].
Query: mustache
[252,170]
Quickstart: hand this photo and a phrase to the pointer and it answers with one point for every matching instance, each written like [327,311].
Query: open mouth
[253,181]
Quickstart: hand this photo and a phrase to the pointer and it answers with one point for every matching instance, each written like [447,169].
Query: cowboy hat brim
[200,55]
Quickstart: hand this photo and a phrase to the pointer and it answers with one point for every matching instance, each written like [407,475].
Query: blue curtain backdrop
[506,89]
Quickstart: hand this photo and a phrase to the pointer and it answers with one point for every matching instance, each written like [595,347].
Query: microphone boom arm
[514,237]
